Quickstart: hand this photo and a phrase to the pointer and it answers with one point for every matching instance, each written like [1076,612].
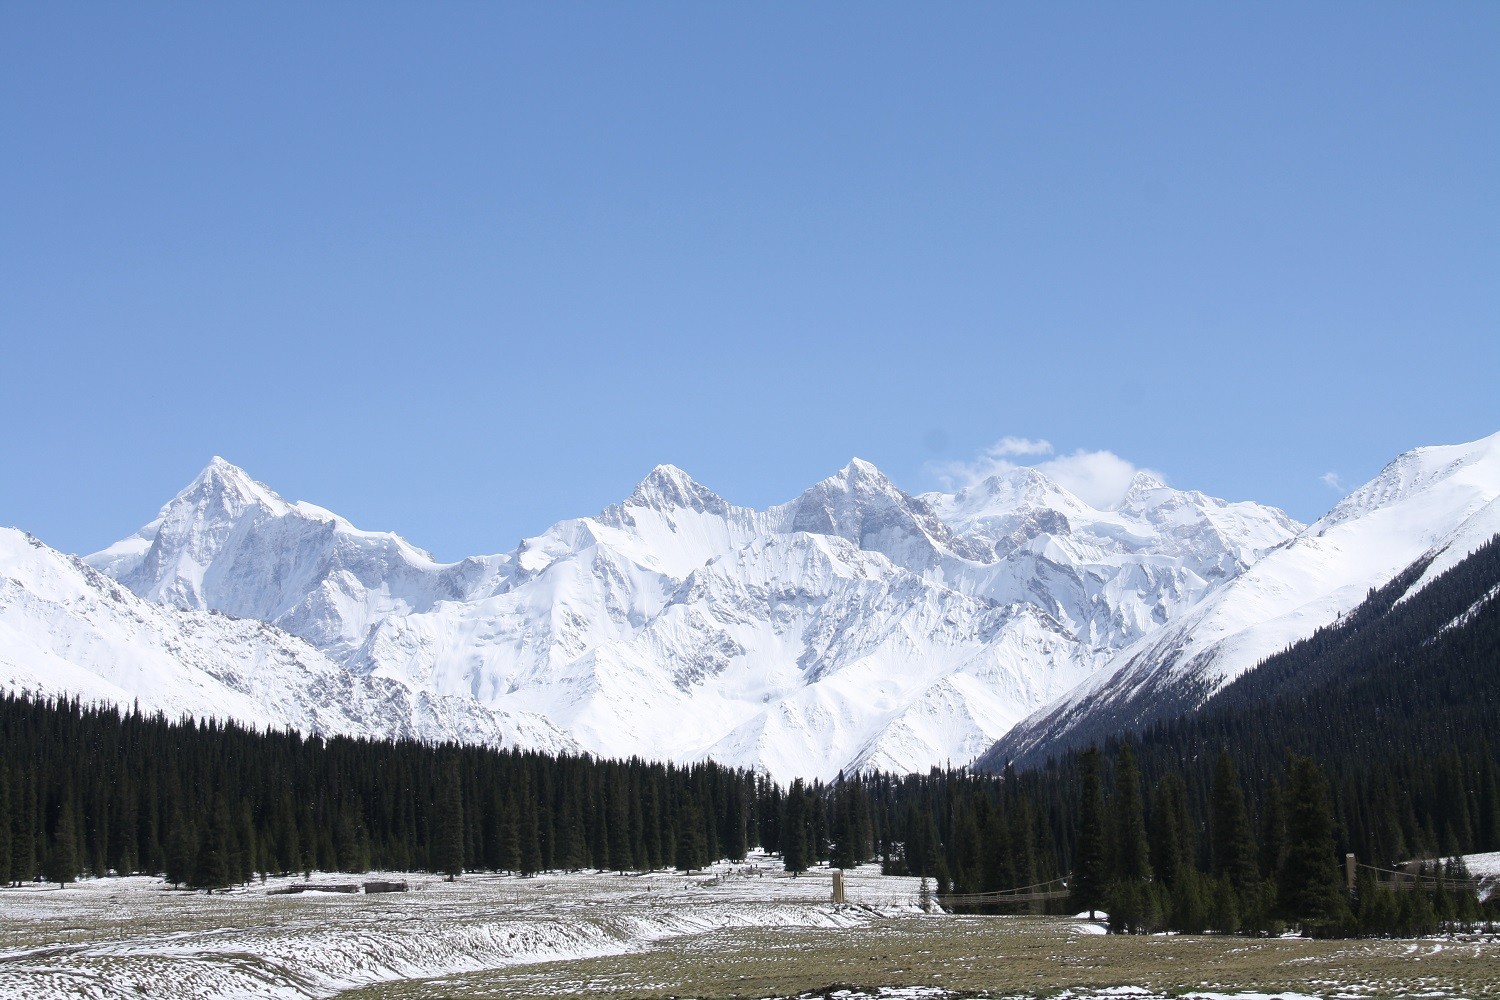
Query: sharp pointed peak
[219,465]
[666,472]
[668,487]
[223,479]
[1147,480]
[860,467]
[859,471]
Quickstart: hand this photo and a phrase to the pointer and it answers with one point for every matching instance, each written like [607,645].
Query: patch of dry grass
[991,956]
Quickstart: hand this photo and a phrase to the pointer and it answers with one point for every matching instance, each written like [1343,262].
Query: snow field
[129,937]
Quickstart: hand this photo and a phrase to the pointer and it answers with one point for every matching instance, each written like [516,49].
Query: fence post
[1349,871]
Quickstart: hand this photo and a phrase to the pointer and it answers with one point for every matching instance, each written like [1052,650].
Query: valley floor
[744,931]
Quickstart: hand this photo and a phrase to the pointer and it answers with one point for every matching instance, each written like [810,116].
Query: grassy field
[989,956]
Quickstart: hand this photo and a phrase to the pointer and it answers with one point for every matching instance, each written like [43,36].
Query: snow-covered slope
[854,626]
[230,544]
[1440,502]
[66,629]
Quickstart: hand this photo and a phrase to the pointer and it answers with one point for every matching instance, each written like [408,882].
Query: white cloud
[1332,481]
[1018,446]
[1099,478]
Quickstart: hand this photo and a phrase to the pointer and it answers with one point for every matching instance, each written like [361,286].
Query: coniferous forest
[1371,738]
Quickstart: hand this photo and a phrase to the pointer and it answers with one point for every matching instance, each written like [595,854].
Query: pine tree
[1090,884]
[1308,885]
[5,839]
[1132,850]
[23,827]
[569,852]
[247,846]
[690,851]
[1273,831]
[1172,847]
[450,859]
[1229,828]
[1223,905]
[288,845]
[62,852]
[123,828]
[182,851]
[1022,856]
[736,846]
[510,841]
[531,838]
[651,835]
[1189,913]
[794,830]
[212,868]
[998,856]
[618,837]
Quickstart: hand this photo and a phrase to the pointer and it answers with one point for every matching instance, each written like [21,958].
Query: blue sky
[461,270]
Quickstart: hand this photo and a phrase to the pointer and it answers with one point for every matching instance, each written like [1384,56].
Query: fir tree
[1272,832]
[5,838]
[736,845]
[450,859]
[1090,884]
[794,830]
[182,851]
[688,855]
[212,867]
[1132,851]
[288,845]
[510,843]
[531,839]
[1172,843]
[618,837]
[1229,828]
[1308,885]
[23,829]
[62,852]
[1023,857]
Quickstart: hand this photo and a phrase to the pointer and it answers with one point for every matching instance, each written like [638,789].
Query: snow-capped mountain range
[855,626]
[1437,503]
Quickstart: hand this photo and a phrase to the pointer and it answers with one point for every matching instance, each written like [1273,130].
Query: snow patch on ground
[129,937]
[1486,868]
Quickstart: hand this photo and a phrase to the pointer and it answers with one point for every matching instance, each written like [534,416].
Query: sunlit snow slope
[854,626]
[66,629]
[1442,502]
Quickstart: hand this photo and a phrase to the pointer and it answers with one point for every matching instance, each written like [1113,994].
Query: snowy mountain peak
[859,469]
[858,483]
[1436,504]
[1006,493]
[224,486]
[1143,482]
[667,488]
[861,504]
[1414,472]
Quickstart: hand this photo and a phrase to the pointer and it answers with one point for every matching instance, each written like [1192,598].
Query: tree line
[1370,737]
[207,805]
[210,804]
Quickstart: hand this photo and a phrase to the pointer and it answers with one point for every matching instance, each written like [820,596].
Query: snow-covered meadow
[132,937]
[743,931]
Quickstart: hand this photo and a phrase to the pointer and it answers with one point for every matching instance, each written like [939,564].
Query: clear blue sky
[461,270]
